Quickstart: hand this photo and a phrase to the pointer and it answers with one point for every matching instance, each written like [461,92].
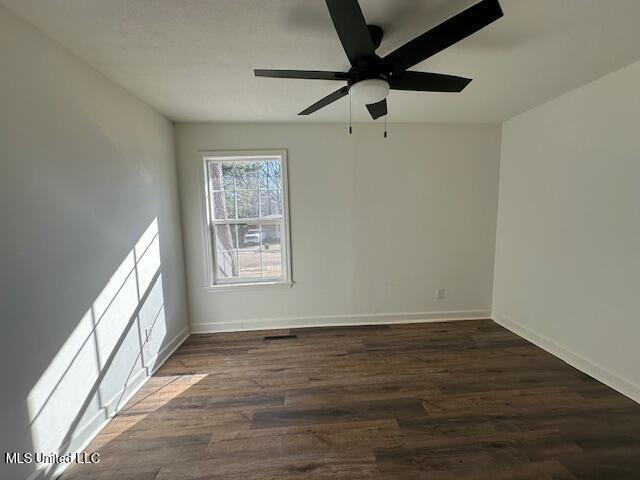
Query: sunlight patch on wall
[119,335]
[64,387]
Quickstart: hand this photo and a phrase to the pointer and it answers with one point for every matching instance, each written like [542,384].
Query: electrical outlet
[440,293]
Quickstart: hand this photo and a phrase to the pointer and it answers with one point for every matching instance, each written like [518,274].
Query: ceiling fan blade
[444,35]
[428,82]
[338,94]
[352,29]
[303,74]
[378,110]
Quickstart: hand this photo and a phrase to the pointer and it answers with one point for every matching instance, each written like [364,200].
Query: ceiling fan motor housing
[367,68]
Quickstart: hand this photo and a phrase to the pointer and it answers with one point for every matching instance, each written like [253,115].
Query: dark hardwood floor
[458,400]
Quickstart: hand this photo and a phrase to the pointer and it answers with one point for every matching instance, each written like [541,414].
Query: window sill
[246,286]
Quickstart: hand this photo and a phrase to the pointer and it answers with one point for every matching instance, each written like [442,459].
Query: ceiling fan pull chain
[385,126]
[350,129]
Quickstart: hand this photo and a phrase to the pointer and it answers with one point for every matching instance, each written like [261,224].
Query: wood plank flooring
[458,400]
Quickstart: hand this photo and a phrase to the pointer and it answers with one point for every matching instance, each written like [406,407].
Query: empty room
[320,239]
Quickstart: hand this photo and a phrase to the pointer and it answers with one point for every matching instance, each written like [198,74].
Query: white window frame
[212,283]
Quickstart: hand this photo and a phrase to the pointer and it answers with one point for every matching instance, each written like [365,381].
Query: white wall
[567,272]
[377,225]
[85,171]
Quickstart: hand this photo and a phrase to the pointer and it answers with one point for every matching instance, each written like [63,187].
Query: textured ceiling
[193,59]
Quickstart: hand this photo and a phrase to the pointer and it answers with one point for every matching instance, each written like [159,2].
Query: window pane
[247,201]
[246,174]
[272,263]
[269,174]
[224,205]
[270,203]
[221,175]
[271,251]
[227,264]
[270,236]
[249,263]
[249,236]
[215,175]
[226,237]
[228,175]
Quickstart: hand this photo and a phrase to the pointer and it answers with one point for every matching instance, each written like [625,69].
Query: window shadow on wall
[112,350]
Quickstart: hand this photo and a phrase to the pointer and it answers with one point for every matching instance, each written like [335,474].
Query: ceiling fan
[371,77]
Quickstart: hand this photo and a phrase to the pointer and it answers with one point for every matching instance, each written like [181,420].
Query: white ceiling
[193,60]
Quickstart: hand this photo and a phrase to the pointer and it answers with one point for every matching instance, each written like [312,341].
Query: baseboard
[602,374]
[339,320]
[165,352]
[91,428]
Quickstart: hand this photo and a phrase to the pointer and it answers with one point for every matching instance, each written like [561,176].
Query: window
[247,218]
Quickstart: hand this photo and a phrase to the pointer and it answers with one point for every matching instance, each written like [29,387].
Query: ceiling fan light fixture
[372,90]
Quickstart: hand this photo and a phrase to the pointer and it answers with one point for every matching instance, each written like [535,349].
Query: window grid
[236,190]
[275,220]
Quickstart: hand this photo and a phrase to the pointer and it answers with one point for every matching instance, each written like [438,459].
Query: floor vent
[279,337]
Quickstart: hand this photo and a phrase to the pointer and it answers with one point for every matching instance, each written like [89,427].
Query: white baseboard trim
[91,428]
[600,373]
[165,352]
[339,320]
